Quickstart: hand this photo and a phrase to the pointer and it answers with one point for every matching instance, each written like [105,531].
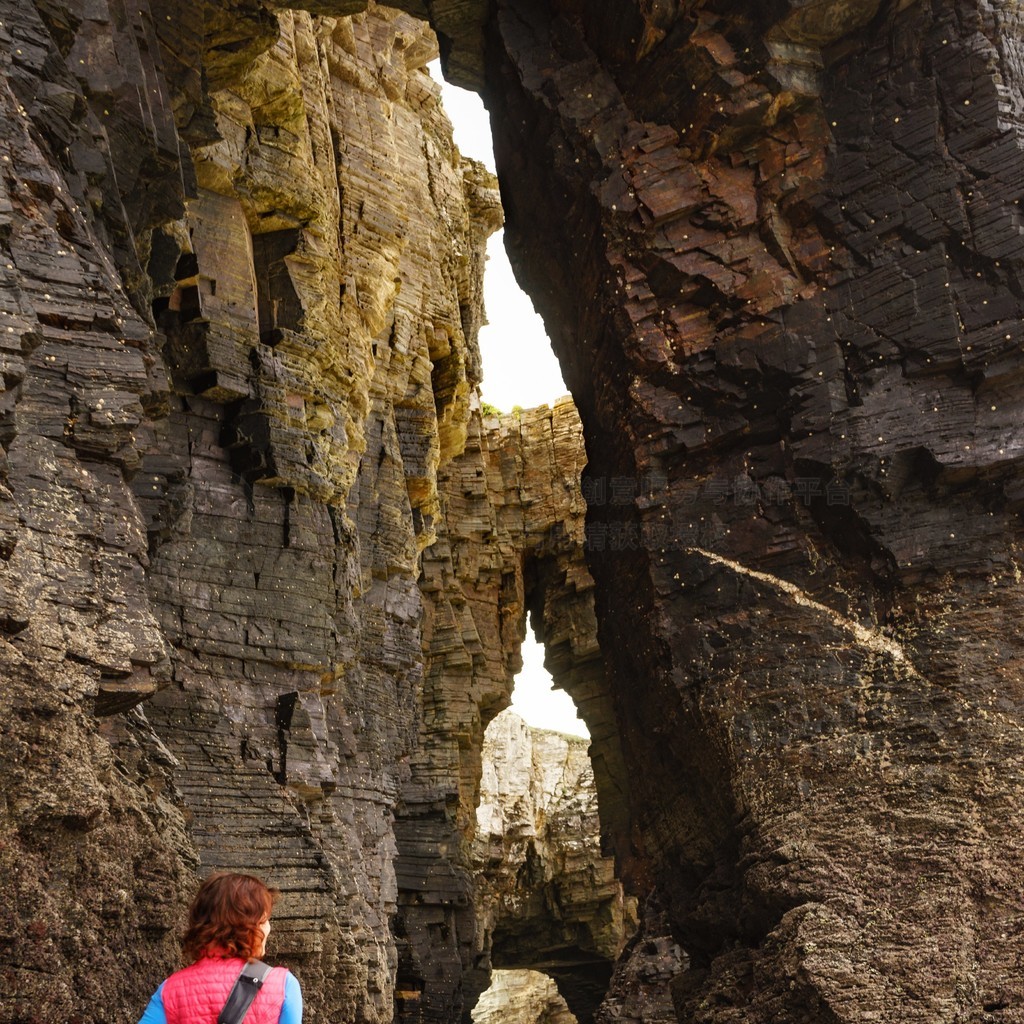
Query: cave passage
[546,899]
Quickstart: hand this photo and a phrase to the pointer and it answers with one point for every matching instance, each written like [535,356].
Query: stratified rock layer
[546,899]
[332,382]
[94,855]
[254,618]
[522,997]
[510,538]
[778,248]
[240,313]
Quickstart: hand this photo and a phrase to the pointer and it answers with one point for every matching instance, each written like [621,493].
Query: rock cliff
[242,291]
[778,249]
[263,572]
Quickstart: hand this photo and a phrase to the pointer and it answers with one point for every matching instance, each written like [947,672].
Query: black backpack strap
[244,991]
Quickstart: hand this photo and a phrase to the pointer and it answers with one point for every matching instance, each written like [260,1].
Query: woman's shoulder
[205,967]
[228,967]
[282,976]
[291,1008]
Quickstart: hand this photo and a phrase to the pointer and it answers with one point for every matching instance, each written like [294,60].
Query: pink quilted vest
[198,993]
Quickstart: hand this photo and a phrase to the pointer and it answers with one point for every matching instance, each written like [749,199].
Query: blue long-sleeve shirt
[291,1008]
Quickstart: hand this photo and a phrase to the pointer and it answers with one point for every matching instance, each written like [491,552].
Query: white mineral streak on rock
[869,638]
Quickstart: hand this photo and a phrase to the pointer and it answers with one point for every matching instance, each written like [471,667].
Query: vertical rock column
[313,308]
[778,252]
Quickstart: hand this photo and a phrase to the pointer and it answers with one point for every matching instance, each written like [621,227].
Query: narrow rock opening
[277,303]
[519,366]
[547,900]
[534,696]
[285,708]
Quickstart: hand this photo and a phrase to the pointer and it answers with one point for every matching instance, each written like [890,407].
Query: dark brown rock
[755,235]
[95,857]
[651,964]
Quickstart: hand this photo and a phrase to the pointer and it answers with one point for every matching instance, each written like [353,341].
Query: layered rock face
[522,997]
[257,609]
[510,538]
[546,899]
[778,248]
[318,341]
[261,597]
[242,290]
[95,855]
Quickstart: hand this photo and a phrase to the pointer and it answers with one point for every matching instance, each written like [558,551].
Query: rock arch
[778,251]
[546,900]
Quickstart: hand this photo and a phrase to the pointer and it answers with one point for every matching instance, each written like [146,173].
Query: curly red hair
[225,917]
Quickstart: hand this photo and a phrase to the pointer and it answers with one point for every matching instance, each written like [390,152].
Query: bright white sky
[519,369]
[535,701]
[519,366]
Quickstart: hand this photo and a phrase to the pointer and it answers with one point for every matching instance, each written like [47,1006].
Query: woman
[228,924]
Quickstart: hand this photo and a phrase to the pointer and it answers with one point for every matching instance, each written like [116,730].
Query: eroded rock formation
[546,899]
[241,348]
[645,975]
[240,315]
[521,997]
[510,538]
[778,249]
[262,575]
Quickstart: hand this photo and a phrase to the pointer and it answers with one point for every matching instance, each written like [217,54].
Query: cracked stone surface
[263,569]
[233,363]
[778,250]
